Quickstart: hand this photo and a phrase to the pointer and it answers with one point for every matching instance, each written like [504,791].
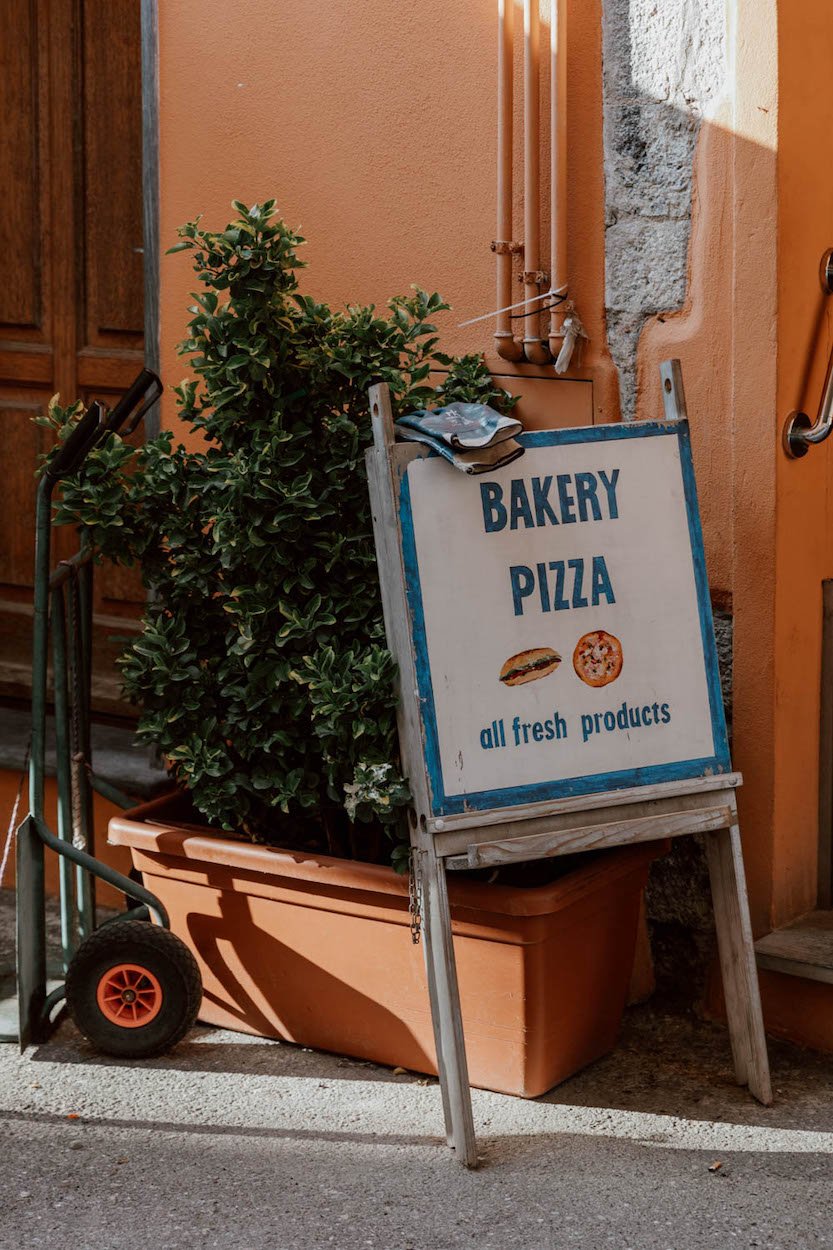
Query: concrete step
[116,758]
[803,948]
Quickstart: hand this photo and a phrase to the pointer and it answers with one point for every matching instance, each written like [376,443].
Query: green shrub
[261,670]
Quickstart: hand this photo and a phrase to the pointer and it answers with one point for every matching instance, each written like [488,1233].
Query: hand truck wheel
[133,989]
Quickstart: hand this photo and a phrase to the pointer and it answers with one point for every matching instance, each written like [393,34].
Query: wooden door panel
[71,296]
[110,370]
[119,591]
[17,500]
[22,140]
[112,108]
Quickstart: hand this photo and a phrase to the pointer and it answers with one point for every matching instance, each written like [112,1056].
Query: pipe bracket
[504,247]
[534,277]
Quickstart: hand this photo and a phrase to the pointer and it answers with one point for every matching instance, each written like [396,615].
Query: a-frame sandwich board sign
[558,681]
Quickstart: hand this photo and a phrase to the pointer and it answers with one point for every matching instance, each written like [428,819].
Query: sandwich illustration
[529,666]
[598,658]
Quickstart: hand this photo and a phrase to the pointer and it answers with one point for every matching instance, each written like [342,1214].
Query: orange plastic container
[318,951]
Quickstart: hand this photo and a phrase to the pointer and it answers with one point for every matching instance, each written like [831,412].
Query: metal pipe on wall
[506,344]
[535,349]
[558,162]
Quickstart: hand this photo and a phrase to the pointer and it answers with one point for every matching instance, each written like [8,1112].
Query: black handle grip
[83,437]
[96,424]
[142,393]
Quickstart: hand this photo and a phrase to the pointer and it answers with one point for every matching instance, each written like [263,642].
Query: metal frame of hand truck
[63,599]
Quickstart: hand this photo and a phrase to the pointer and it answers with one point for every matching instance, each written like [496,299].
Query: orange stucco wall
[373,124]
[804,543]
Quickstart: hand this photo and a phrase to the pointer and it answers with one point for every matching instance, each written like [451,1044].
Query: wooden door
[71,297]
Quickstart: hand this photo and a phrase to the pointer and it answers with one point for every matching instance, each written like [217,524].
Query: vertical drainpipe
[506,345]
[558,162]
[535,349]
[150,192]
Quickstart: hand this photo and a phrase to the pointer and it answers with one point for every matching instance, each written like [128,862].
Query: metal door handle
[800,432]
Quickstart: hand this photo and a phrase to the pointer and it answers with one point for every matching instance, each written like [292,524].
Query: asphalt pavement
[235,1142]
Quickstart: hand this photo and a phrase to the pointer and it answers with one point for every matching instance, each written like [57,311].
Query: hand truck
[131,986]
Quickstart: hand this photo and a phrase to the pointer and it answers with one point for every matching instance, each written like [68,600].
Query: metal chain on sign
[415,896]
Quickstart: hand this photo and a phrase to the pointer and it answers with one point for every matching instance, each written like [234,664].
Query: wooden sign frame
[447,840]
[718,761]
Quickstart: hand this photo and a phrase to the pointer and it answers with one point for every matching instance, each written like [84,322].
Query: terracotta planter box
[318,951]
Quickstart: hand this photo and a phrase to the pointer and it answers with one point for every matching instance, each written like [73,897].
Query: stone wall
[664,66]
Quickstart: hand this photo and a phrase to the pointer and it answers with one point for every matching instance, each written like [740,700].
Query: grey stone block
[646,266]
[664,62]
[651,176]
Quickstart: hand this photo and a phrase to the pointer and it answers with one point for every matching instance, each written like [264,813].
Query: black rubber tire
[163,954]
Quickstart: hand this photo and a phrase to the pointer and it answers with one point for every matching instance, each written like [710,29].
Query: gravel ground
[236,1142]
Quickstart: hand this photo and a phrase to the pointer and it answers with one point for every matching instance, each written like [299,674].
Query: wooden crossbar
[590,838]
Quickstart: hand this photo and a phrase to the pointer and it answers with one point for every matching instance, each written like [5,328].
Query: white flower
[369,785]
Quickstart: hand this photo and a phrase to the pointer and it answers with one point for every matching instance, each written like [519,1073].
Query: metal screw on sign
[415,896]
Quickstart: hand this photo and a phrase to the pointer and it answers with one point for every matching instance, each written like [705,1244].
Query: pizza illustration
[598,658]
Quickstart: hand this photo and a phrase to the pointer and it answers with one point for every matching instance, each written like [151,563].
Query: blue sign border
[443,804]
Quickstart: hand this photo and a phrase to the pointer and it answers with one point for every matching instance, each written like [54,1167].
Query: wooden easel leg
[445,1011]
[737,962]
[427,951]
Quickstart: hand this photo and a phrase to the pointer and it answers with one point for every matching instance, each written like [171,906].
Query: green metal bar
[40,645]
[78,761]
[85,620]
[57,996]
[85,584]
[67,568]
[31,933]
[69,915]
[31,903]
[104,872]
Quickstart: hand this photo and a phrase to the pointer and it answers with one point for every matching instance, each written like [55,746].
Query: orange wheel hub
[129,995]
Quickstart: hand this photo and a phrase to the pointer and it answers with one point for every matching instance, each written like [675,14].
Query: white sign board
[560,619]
